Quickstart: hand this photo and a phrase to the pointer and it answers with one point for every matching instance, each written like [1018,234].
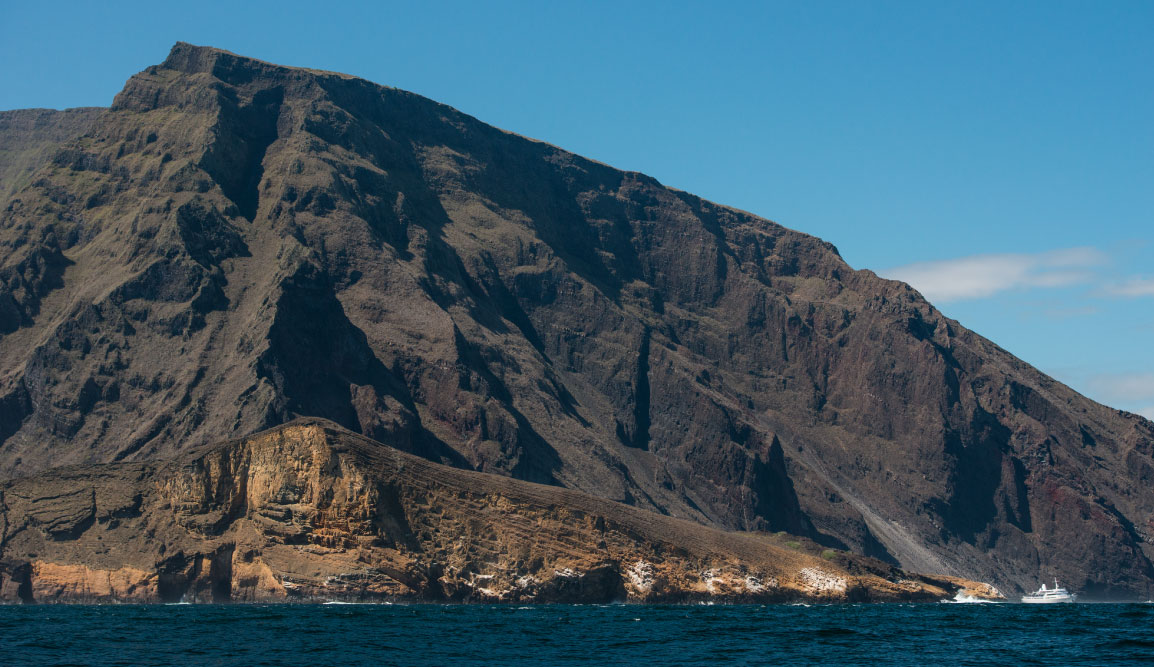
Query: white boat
[1055,595]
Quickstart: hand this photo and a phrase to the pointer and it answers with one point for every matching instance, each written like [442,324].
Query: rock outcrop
[309,511]
[236,243]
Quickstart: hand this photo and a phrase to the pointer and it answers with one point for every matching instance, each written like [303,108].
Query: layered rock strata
[309,511]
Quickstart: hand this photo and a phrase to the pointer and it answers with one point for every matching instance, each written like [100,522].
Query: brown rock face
[311,511]
[32,136]
[235,243]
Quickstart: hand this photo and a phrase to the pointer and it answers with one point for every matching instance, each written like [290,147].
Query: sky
[999,156]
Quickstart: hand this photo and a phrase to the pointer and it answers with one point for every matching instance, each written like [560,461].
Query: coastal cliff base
[309,511]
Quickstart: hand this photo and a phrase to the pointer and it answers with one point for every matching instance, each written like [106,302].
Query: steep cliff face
[236,243]
[310,511]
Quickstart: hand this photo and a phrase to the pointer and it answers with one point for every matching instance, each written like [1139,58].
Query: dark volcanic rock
[236,243]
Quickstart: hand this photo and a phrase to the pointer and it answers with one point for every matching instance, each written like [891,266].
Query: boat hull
[1053,600]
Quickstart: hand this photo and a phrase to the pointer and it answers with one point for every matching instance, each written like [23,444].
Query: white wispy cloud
[1124,386]
[1134,287]
[980,276]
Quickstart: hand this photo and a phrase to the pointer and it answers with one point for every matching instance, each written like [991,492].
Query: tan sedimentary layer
[79,582]
[310,511]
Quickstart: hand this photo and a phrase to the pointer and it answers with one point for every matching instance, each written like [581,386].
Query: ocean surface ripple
[427,634]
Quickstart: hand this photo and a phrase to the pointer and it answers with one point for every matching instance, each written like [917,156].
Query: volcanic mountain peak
[236,243]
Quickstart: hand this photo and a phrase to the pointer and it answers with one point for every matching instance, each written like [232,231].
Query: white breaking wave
[962,598]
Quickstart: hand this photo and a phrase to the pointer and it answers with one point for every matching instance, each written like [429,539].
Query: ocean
[429,634]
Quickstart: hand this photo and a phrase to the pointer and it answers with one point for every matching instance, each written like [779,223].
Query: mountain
[31,136]
[309,511]
[234,244]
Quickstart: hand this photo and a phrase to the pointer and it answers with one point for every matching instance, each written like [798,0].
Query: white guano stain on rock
[755,584]
[821,582]
[712,580]
[487,591]
[641,575]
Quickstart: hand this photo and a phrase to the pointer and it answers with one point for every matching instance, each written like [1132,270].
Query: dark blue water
[937,634]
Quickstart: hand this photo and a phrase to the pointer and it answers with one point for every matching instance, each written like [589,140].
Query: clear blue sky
[1003,149]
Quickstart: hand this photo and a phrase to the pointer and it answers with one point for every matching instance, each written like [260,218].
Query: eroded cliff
[310,511]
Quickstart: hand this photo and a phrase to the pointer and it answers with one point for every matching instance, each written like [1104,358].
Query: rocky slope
[30,137]
[310,511]
[236,243]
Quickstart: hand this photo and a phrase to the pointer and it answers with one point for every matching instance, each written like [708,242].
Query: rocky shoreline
[310,512]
